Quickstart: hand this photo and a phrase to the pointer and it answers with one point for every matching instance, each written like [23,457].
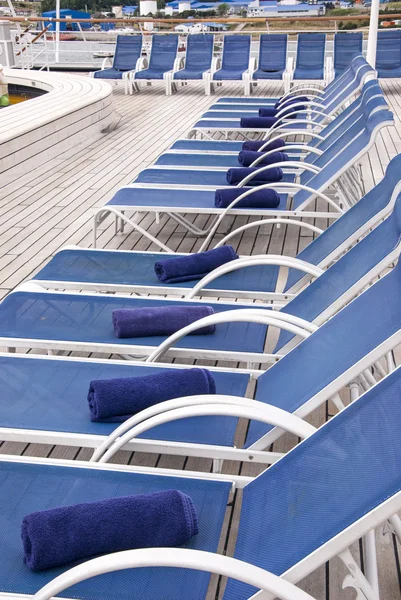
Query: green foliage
[222,9]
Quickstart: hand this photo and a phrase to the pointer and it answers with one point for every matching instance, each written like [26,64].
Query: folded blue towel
[115,400]
[258,122]
[268,112]
[247,157]
[193,266]
[59,536]
[159,320]
[290,100]
[256,145]
[237,174]
[259,198]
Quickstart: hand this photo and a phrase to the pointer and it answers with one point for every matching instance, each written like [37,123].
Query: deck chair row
[237,64]
[39,391]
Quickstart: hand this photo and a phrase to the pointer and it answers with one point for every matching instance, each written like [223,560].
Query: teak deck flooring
[50,207]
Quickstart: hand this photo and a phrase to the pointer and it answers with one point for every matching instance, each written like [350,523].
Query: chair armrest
[252,66]
[240,315]
[329,70]
[216,62]
[141,63]
[106,62]
[286,149]
[182,558]
[178,63]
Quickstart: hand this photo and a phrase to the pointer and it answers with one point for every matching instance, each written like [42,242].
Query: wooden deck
[52,206]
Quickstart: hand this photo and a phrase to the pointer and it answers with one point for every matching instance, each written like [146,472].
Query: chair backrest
[348,132]
[328,359]
[347,277]
[199,54]
[358,139]
[369,90]
[346,46]
[344,473]
[272,52]
[163,52]
[375,204]
[310,50]
[128,50]
[388,54]
[236,52]
[346,85]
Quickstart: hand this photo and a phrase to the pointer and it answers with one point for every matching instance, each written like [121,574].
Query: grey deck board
[51,206]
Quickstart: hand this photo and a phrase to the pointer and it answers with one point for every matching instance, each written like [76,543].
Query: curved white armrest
[182,558]
[288,116]
[287,133]
[303,166]
[249,261]
[141,63]
[291,104]
[276,186]
[306,148]
[178,63]
[216,62]
[121,435]
[277,418]
[272,221]
[240,315]
[105,62]
[301,87]
[252,65]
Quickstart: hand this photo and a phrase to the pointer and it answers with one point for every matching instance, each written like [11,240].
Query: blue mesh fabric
[346,46]
[352,333]
[72,317]
[162,55]
[235,59]
[198,160]
[259,74]
[25,488]
[310,55]
[199,52]
[128,50]
[342,472]
[108,74]
[137,268]
[388,55]
[50,395]
[346,272]
[189,177]
[208,145]
[235,100]
[360,213]
[332,169]
[272,52]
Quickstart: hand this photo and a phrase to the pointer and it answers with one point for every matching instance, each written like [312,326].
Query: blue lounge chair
[346,47]
[323,106]
[198,60]
[127,59]
[188,155]
[163,58]
[108,270]
[30,317]
[388,55]
[272,60]
[177,199]
[55,389]
[310,58]
[361,444]
[234,62]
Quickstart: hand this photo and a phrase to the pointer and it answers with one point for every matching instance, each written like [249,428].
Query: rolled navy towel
[247,157]
[115,400]
[257,122]
[193,266]
[267,112]
[237,174]
[259,199]
[59,536]
[256,145]
[159,320]
[290,100]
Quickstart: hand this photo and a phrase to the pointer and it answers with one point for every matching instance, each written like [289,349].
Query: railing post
[372,37]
